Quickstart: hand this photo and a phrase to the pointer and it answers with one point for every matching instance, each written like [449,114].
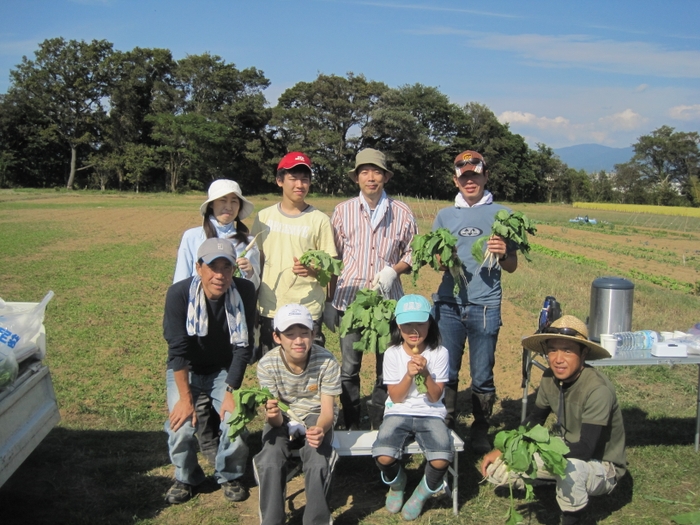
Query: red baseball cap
[294,158]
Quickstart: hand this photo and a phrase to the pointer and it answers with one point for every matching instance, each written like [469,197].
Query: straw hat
[566,327]
[221,188]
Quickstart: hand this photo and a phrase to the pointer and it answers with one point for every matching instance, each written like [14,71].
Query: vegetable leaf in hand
[247,401]
[512,227]
[438,249]
[325,265]
[369,314]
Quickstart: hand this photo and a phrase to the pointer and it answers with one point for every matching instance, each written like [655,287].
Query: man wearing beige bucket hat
[373,235]
[588,419]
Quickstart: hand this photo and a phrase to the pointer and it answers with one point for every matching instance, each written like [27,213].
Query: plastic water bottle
[635,344]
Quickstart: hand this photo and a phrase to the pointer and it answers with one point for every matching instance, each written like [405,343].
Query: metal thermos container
[611,306]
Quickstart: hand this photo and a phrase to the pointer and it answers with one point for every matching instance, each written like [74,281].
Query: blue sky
[558,72]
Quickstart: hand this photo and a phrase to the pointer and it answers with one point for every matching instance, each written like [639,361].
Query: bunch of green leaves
[370,315]
[420,384]
[325,265]
[512,227]
[519,448]
[439,250]
[247,401]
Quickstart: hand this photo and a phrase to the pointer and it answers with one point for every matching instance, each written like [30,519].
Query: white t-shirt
[416,404]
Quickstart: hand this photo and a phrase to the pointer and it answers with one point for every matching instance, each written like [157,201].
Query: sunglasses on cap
[472,161]
[563,331]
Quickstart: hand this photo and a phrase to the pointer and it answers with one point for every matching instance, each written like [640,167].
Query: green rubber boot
[394,498]
[413,507]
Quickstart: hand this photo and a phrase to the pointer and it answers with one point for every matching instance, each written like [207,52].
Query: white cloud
[685,112]
[588,52]
[520,117]
[625,120]
[641,87]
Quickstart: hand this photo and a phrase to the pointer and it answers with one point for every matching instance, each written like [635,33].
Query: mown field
[109,259]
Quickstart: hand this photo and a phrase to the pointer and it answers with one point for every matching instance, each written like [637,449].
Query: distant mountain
[594,157]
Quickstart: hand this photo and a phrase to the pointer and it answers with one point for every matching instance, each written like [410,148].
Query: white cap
[292,314]
[221,188]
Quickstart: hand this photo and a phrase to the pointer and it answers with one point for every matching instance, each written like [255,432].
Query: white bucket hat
[222,187]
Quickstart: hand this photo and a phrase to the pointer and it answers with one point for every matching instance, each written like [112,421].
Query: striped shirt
[302,392]
[365,251]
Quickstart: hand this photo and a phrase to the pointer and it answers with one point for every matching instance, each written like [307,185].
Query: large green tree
[228,107]
[666,158]
[415,126]
[141,86]
[66,84]
[325,119]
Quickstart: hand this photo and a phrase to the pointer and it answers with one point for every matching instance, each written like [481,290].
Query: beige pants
[582,479]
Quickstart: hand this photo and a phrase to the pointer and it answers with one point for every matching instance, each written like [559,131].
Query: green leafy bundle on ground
[370,315]
[519,448]
[247,401]
[512,227]
[325,265]
[438,249]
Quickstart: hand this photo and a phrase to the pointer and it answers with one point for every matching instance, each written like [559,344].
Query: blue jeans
[231,457]
[397,431]
[479,325]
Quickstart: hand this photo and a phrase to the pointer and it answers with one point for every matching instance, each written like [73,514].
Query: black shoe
[179,492]
[234,491]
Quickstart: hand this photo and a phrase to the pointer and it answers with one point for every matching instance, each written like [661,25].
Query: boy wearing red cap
[287,230]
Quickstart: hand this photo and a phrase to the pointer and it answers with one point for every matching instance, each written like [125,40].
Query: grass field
[109,259]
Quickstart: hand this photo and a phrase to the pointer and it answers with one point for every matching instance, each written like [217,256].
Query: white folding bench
[359,443]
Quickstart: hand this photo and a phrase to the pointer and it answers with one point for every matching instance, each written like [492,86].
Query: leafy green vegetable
[325,265]
[437,249]
[420,384]
[519,447]
[247,401]
[512,227]
[370,315]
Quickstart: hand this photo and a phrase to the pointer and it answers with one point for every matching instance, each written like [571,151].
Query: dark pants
[350,383]
[271,473]
[208,422]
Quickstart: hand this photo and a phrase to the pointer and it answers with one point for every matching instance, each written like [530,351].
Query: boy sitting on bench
[306,377]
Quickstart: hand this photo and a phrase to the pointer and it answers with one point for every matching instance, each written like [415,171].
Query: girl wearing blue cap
[416,368]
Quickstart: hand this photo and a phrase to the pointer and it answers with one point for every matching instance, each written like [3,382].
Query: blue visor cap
[412,309]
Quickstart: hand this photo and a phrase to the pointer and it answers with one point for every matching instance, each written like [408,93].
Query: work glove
[384,280]
[499,474]
[331,317]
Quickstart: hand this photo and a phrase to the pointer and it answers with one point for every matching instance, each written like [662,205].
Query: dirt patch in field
[643,252]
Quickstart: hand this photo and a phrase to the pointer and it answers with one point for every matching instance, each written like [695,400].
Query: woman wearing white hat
[223,212]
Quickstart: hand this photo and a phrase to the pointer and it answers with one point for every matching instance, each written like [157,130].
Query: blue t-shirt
[468,224]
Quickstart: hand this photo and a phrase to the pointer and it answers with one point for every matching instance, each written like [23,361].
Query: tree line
[84,115]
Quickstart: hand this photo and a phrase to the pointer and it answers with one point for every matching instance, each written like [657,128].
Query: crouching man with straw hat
[588,419]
